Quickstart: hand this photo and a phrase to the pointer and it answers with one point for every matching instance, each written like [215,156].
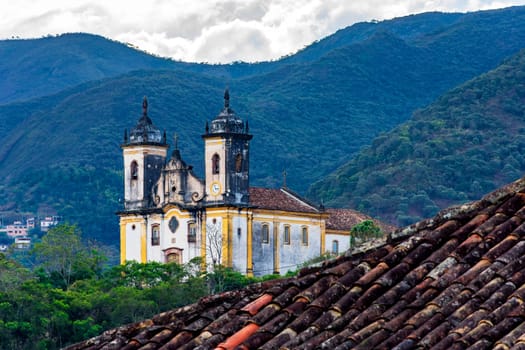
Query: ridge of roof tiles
[456,281]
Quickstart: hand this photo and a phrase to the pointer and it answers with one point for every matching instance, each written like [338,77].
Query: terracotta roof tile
[346,219]
[253,307]
[280,199]
[239,337]
[456,281]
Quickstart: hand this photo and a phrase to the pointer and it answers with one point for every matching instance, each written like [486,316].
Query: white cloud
[213,31]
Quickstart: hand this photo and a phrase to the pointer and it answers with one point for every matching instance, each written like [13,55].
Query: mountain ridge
[62,151]
[469,141]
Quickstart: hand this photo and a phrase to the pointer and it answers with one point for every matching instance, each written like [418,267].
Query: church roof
[456,281]
[280,199]
[227,121]
[145,132]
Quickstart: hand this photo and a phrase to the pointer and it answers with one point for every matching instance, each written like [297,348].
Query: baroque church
[170,214]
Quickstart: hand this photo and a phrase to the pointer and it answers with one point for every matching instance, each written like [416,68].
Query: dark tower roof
[227,121]
[145,132]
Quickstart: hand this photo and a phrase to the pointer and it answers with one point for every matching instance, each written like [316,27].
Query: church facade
[170,214]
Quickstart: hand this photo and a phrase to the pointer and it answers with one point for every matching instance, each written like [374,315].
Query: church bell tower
[144,156]
[226,155]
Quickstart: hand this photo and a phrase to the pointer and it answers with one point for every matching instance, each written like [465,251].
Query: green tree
[64,257]
[364,231]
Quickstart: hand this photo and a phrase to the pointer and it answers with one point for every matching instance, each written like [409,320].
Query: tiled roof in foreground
[456,281]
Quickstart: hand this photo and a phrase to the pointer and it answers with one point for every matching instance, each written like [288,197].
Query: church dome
[226,121]
[145,131]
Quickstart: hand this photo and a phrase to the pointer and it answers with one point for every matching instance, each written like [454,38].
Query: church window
[134,170]
[265,233]
[215,160]
[239,231]
[304,235]
[286,238]
[238,163]
[192,232]
[155,235]
[335,247]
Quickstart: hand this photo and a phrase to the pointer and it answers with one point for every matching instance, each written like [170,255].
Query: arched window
[155,235]
[335,247]
[238,163]
[304,235]
[215,167]
[134,170]
[192,232]
[265,233]
[286,238]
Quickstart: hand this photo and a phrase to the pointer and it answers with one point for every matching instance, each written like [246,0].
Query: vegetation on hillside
[308,115]
[466,144]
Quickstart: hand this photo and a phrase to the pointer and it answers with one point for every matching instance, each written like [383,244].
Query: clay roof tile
[240,336]
[454,281]
[253,307]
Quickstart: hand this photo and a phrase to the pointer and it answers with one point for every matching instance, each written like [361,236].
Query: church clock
[215,188]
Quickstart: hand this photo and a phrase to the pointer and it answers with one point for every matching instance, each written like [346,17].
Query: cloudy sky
[213,31]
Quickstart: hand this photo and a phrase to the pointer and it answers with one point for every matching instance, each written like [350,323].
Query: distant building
[22,242]
[172,215]
[30,223]
[16,229]
[48,222]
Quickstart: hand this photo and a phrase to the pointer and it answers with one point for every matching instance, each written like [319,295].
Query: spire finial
[145,106]
[284,178]
[226,98]
[175,140]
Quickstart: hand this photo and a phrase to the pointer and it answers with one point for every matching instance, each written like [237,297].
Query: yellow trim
[214,141]
[140,150]
[289,222]
[217,212]
[143,243]
[122,242]
[338,232]
[130,219]
[171,210]
[323,236]
[225,235]
[230,240]
[268,213]
[249,252]
[276,258]
[203,243]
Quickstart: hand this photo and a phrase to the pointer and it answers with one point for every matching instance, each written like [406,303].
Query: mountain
[61,152]
[470,141]
[38,67]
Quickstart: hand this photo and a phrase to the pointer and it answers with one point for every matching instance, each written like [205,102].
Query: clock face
[215,188]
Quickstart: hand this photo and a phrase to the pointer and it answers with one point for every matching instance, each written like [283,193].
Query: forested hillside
[467,143]
[309,113]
